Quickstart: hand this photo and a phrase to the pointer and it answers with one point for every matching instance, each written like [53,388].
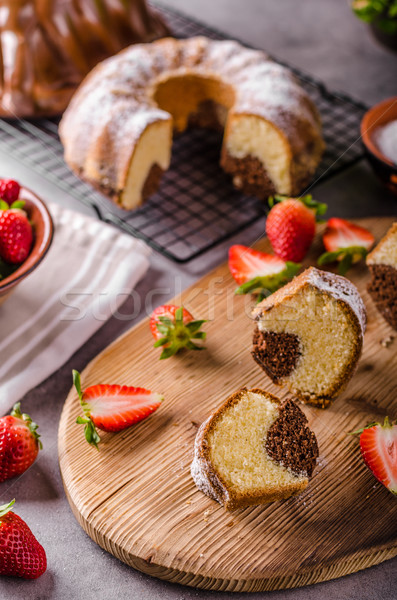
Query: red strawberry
[113,407]
[174,328]
[16,235]
[21,555]
[378,444]
[9,190]
[19,443]
[291,225]
[254,270]
[345,242]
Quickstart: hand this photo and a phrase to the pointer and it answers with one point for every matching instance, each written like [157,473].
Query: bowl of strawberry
[26,231]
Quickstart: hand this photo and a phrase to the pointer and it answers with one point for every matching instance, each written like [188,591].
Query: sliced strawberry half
[113,407]
[258,271]
[174,328]
[378,445]
[345,242]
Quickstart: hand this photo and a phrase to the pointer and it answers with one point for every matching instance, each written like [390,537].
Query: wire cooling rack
[196,206]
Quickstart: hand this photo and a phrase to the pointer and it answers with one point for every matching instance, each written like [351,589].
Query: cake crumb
[206,515]
[387,341]
[188,502]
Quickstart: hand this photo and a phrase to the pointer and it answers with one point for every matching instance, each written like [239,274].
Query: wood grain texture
[137,500]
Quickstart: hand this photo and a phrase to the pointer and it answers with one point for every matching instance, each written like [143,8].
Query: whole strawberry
[21,555]
[291,225]
[16,235]
[9,190]
[173,328]
[19,443]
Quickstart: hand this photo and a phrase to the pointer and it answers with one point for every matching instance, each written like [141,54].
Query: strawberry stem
[388,423]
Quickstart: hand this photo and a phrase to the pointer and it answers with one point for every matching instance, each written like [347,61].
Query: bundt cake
[382,263]
[254,449]
[117,131]
[48,46]
[309,335]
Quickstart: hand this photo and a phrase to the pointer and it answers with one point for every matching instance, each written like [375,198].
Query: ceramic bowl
[43,230]
[380,114]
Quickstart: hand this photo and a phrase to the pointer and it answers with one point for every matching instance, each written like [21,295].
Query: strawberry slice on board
[174,328]
[378,445]
[113,407]
[345,242]
[259,272]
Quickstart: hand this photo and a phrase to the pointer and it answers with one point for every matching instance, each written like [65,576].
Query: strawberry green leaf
[194,326]
[192,346]
[3,205]
[90,433]
[200,335]
[319,208]
[270,283]
[18,204]
[345,264]
[179,316]
[77,384]
[347,256]
[164,329]
[161,342]
[5,508]
[165,321]
[168,352]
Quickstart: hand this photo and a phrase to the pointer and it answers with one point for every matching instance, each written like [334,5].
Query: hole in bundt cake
[195,99]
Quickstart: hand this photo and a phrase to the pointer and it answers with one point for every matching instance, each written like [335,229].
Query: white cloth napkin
[86,276]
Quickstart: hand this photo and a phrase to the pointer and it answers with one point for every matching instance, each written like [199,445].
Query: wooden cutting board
[136,499]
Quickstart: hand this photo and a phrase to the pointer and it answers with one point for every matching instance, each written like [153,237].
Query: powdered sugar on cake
[341,289]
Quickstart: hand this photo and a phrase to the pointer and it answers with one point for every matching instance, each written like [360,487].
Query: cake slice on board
[254,449]
[309,335]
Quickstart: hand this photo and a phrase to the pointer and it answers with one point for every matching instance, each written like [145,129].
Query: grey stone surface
[327,41]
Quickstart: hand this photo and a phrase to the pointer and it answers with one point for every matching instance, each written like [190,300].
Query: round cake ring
[117,131]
